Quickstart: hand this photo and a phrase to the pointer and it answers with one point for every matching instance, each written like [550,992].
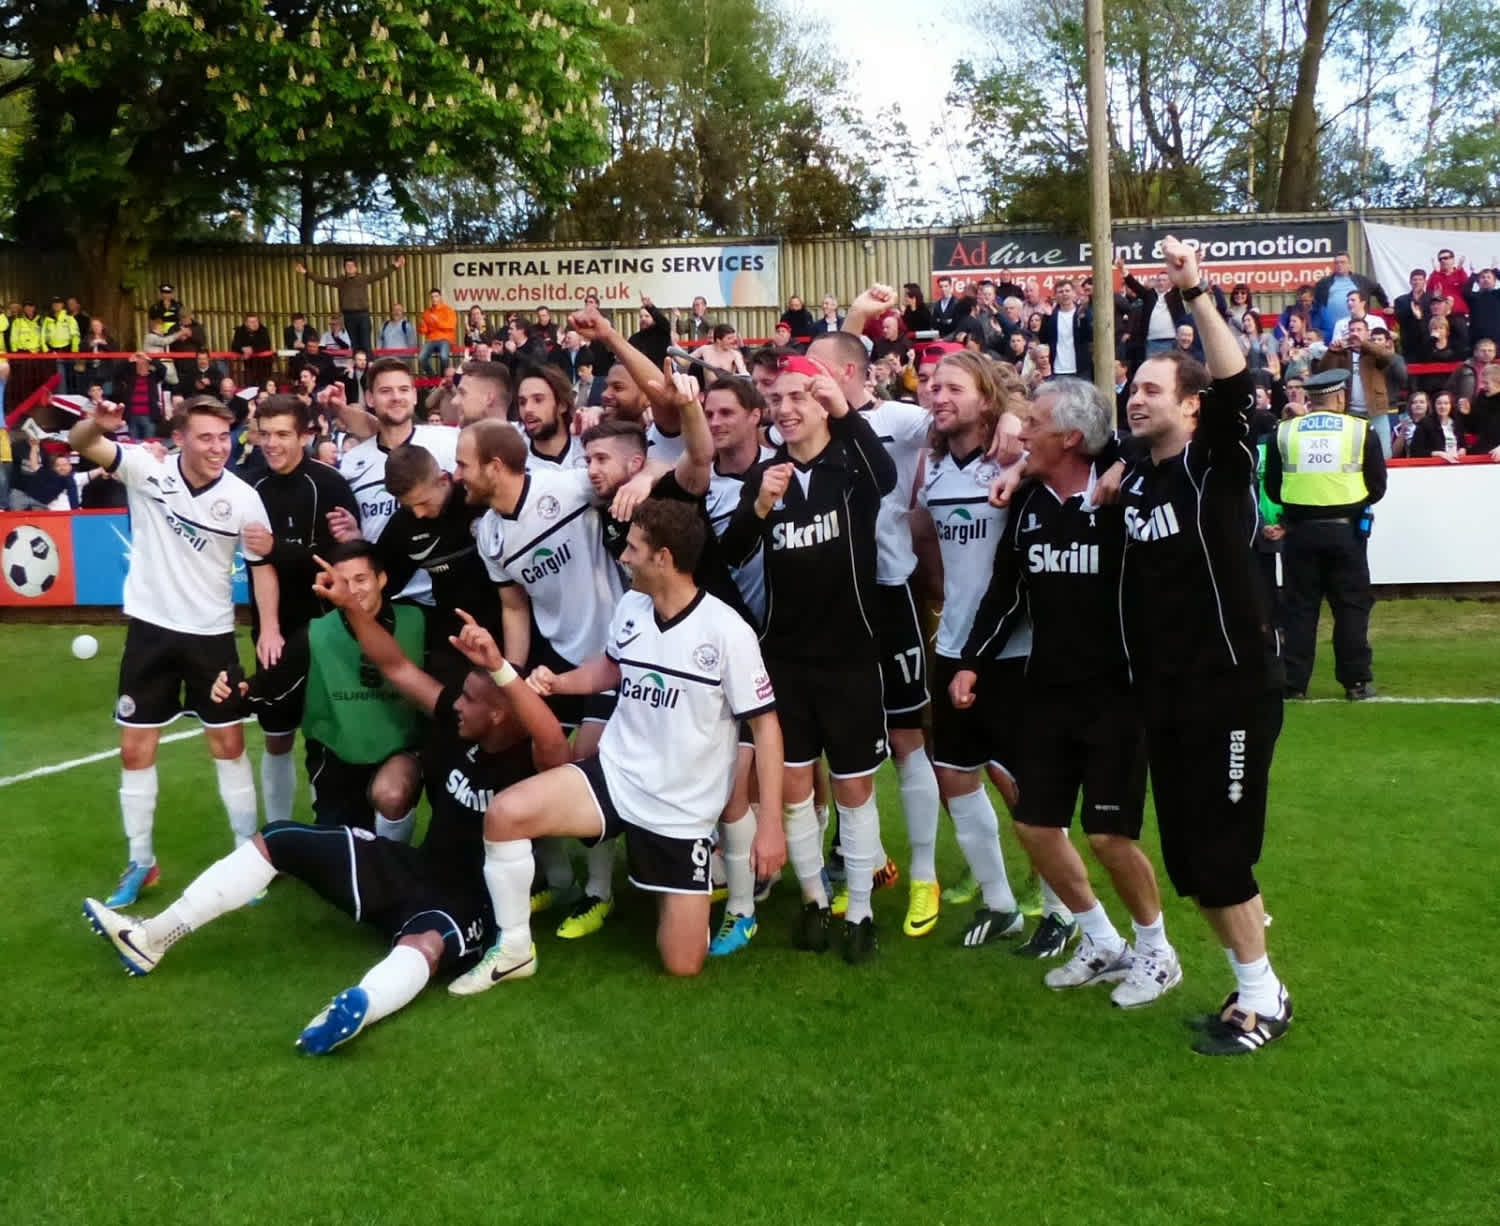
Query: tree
[160,118]
[722,119]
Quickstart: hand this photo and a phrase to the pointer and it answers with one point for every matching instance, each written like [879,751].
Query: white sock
[859,831]
[978,831]
[237,791]
[919,801]
[138,811]
[224,886]
[1096,925]
[556,865]
[1052,904]
[1259,988]
[394,982]
[804,848]
[601,865]
[508,870]
[1152,938]
[278,785]
[737,839]
[399,830]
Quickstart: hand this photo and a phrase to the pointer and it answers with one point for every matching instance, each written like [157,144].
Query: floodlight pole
[1100,236]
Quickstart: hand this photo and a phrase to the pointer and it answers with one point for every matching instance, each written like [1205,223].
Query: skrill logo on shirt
[1151,525]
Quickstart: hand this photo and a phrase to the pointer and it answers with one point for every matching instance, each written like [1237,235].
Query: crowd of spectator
[1423,366]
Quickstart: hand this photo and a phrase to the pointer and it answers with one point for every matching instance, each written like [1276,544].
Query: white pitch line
[58,768]
[1411,702]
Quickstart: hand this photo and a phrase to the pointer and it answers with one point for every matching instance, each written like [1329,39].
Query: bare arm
[549,743]
[696,465]
[591,677]
[89,438]
[874,301]
[591,324]
[768,853]
[266,588]
[515,623]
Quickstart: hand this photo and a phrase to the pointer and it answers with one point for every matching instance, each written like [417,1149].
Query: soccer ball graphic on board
[29,561]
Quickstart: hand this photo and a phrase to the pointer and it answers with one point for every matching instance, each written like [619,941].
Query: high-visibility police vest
[1322,460]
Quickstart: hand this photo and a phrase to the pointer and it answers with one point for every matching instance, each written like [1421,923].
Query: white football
[29,561]
[85,647]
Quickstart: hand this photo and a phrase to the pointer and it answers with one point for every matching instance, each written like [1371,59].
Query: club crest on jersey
[961,527]
[125,708]
[547,506]
[985,472]
[651,689]
[1032,524]
[220,510]
[706,657]
[1074,559]
[545,562]
[823,528]
[1155,524]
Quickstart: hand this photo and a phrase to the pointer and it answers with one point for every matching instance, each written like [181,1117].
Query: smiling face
[393,397]
[955,400]
[280,441]
[732,425]
[204,441]
[800,418]
[475,707]
[1155,411]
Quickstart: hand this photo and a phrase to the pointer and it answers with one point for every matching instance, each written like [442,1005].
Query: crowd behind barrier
[1422,363]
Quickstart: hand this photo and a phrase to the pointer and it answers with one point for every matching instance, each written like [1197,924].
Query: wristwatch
[1197,291]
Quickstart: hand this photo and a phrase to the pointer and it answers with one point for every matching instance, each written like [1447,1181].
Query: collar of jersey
[195,490]
[967,460]
[520,499]
[386,618]
[686,609]
[550,459]
[410,435]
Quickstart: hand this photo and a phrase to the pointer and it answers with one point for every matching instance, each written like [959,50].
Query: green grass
[937,1086]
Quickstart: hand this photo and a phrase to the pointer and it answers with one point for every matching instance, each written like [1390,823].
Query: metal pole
[1099,229]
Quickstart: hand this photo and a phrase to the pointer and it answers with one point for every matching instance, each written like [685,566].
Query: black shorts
[1210,751]
[833,710]
[1082,739]
[384,884]
[280,693]
[986,732]
[597,708]
[653,861]
[341,790]
[165,674]
[568,708]
[903,655]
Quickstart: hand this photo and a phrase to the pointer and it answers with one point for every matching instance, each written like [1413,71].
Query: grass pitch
[938,1085]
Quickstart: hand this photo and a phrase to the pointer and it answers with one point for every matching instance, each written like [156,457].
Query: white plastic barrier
[1438,525]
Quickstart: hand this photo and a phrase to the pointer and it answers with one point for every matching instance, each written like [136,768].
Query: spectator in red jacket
[1451,279]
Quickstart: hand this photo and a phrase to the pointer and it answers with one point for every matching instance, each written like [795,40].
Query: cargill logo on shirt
[651,689]
[187,532]
[961,527]
[823,528]
[544,562]
[1074,559]
[1153,525]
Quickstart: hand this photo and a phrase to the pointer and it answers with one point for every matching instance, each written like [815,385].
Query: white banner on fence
[1438,525]
[1396,250]
[741,275]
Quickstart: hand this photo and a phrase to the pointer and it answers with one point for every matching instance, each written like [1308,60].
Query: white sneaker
[1152,975]
[1090,963]
[495,967]
[126,934]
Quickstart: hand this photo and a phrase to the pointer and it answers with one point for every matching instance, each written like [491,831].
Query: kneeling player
[429,901]
[687,670]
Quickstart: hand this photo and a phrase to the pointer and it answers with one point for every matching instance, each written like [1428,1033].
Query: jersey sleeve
[1004,603]
[910,423]
[442,441]
[252,511]
[625,613]
[1222,439]
[399,568]
[133,466]
[870,458]
[747,684]
[489,535]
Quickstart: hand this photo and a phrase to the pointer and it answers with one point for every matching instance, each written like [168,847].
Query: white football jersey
[183,542]
[553,546]
[903,429]
[670,748]
[572,457]
[667,447]
[363,466]
[957,494]
[723,497]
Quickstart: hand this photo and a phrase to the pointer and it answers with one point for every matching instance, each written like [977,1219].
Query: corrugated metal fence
[222,284]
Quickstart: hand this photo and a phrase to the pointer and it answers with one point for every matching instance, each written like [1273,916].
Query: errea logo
[1236,765]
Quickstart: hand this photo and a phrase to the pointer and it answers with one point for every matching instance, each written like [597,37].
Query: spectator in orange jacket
[439,330]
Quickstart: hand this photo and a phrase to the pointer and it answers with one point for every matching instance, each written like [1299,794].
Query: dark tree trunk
[1299,163]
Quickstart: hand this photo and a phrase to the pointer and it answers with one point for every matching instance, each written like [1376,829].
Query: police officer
[1325,470]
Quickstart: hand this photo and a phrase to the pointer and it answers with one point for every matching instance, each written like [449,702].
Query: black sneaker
[764,886]
[1051,938]
[834,865]
[1200,1023]
[860,942]
[813,933]
[1238,1031]
[1360,692]
[988,926]
[1291,695]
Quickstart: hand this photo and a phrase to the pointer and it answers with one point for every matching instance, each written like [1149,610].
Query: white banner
[1438,525]
[741,275]
[1396,250]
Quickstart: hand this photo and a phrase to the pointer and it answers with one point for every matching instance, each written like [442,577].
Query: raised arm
[90,437]
[549,743]
[874,301]
[662,394]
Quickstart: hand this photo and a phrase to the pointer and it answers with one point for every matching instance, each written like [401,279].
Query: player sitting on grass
[430,901]
[688,670]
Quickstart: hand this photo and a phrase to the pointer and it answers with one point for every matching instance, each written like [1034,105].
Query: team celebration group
[687,624]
